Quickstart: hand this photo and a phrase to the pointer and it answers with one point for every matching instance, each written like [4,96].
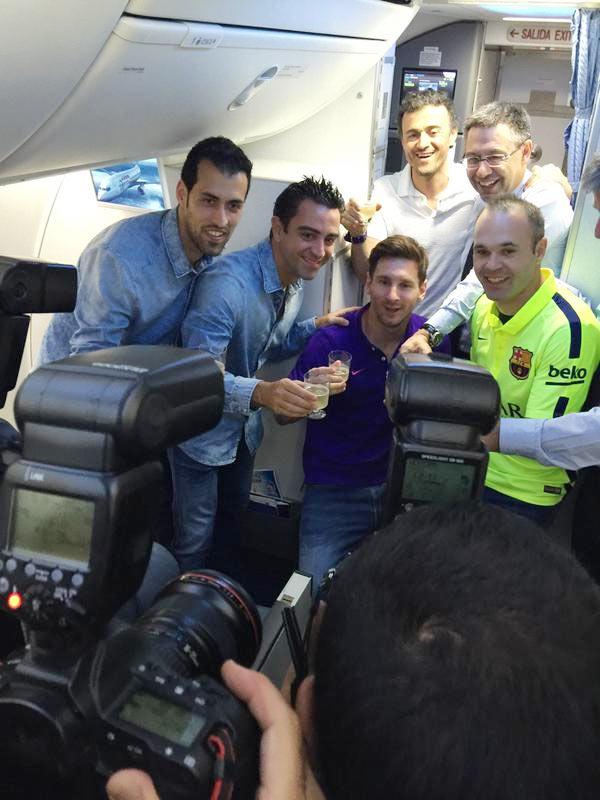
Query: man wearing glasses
[498,146]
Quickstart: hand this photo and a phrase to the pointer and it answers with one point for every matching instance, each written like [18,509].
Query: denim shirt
[236,315]
[135,282]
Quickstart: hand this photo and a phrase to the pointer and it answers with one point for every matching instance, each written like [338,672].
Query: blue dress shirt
[135,282]
[242,315]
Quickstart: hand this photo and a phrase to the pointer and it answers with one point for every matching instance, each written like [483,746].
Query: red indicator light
[14,601]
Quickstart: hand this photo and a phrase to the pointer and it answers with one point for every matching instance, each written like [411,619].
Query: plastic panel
[364,19]
[34,80]
[141,98]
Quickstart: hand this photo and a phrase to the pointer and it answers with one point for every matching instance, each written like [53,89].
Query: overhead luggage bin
[45,49]
[159,85]
[363,19]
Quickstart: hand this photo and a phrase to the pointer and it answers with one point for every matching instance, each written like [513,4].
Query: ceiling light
[561,20]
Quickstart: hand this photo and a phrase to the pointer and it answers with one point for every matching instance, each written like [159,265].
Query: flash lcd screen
[51,526]
[437,481]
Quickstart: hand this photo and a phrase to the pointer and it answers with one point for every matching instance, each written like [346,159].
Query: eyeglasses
[473,162]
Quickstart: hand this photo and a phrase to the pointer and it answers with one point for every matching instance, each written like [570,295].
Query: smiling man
[346,453]
[498,146]
[430,199]
[136,277]
[244,313]
[539,341]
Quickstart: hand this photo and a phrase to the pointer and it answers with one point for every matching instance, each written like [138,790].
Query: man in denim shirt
[244,312]
[137,276]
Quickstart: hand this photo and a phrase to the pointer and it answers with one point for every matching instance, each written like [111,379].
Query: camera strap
[223,771]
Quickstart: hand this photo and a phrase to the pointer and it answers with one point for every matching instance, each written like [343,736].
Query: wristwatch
[435,336]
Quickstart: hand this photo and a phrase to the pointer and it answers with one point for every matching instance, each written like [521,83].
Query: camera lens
[200,619]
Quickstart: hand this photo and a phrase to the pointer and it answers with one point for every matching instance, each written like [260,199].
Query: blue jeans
[335,519]
[543,516]
[208,503]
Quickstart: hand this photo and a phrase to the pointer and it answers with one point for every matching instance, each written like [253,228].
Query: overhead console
[165,73]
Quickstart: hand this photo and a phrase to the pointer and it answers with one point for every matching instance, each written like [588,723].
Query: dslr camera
[86,697]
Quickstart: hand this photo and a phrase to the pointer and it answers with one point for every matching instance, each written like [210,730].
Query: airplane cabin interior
[101,102]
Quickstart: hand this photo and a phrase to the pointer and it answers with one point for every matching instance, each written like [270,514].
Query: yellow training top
[543,358]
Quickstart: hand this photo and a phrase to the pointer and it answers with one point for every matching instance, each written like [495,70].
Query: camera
[86,697]
[439,407]
[27,287]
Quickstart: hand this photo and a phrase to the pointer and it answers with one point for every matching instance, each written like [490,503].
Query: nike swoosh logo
[482,338]
[357,371]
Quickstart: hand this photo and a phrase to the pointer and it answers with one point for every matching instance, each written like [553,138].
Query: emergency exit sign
[530,33]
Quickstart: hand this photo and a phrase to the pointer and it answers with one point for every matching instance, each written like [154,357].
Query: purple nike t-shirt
[350,446]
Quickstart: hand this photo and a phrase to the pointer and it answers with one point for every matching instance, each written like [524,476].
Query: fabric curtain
[585,60]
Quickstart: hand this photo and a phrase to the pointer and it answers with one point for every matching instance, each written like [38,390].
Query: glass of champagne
[342,370]
[367,210]
[318,384]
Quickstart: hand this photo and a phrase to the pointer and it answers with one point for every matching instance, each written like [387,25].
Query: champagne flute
[318,384]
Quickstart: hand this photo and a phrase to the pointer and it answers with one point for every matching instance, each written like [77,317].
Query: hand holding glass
[342,367]
[318,384]
[367,210]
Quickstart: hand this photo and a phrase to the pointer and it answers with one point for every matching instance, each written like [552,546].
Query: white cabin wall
[545,94]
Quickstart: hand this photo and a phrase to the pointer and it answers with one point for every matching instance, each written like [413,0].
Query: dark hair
[459,659]
[415,101]
[226,156]
[319,190]
[507,202]
[590,180]
[513,116]
[536,154]
[400,247]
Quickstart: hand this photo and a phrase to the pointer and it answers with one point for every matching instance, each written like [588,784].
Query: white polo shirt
[442,231]
[550,198]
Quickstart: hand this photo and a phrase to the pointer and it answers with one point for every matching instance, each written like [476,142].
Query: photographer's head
[459,659]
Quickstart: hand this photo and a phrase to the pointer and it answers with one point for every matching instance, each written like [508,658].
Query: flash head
[78,509]
[439,407]
[27,287]
[438,388]
[123,404]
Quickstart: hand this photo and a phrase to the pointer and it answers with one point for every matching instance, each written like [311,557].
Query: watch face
[435,337]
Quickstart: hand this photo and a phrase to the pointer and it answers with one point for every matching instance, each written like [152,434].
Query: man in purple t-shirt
[346,453]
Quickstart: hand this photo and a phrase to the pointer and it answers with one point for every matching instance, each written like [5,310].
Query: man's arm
[210,324]
[357,228]
[457,308]
[571,442]
[359,256]
[301,332]
[550,198]
[564,370]
[106,301]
